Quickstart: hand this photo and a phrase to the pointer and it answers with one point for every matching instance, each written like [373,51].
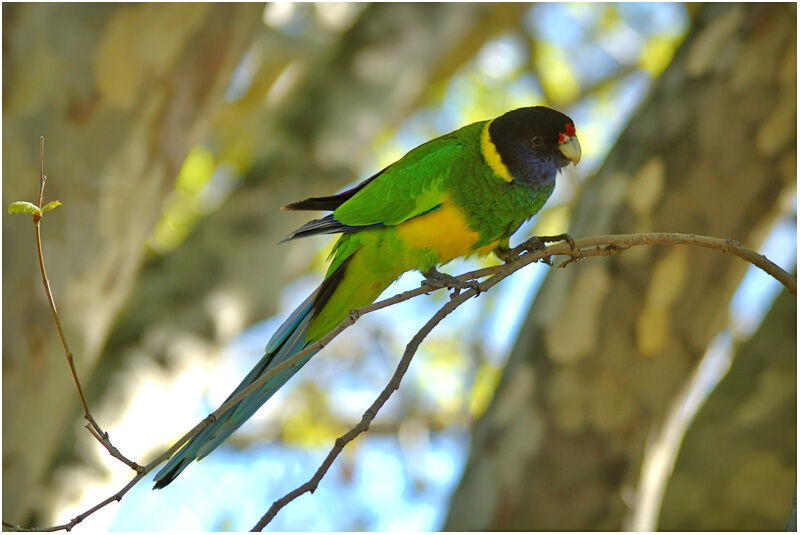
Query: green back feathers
[412,186]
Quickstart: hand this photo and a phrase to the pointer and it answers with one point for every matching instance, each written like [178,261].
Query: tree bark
[609,342]
[737,466]
[120,92]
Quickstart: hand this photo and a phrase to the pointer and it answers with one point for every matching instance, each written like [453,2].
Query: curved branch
[529,252]
[625,241]
[533,251]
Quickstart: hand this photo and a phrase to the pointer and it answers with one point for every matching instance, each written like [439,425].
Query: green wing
[412,186]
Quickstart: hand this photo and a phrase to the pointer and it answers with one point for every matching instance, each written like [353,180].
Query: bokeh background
[654,390]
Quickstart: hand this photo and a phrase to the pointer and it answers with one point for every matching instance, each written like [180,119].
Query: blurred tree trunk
[609,342]
[120,92]
[736,469]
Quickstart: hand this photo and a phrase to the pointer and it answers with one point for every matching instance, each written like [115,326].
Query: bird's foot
[536,243]
[505,253]
[436,279]
[559,237]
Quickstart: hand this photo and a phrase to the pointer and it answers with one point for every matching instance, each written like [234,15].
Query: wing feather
[412,186]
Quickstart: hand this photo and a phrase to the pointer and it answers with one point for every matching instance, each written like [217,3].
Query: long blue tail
[287,341]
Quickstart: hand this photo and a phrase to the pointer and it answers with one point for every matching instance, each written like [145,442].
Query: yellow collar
[491,155]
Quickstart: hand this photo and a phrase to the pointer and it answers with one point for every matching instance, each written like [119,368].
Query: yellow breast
[444,231]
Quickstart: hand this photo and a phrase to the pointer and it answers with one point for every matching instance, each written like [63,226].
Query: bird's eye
[538,141]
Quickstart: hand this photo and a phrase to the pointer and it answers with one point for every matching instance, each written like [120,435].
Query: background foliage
[174,134]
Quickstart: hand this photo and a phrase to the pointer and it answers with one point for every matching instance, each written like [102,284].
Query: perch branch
[527,253]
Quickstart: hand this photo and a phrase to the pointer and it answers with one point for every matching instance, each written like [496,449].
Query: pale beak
[571,149]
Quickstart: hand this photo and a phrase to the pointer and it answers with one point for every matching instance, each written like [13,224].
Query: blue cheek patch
[536,171]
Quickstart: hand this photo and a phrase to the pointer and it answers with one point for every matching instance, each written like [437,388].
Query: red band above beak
[570,133]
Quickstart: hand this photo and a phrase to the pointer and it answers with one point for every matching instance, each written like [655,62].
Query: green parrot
[461,194]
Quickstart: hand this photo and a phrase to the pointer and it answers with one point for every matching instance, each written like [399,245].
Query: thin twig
[96,430]
[521,256]
[617,243]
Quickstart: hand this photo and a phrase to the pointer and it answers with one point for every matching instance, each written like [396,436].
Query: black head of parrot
[534,143]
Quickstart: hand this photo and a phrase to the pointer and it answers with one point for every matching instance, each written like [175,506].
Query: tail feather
[250,404]
[213,435]
[288,340]
[289,325]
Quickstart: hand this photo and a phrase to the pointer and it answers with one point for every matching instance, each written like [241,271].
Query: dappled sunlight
[260,147]
[449,384]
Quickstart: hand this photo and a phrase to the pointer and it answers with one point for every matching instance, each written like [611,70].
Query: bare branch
[93,426]
[576,250]
[607,245]
[372,411]
[531,251]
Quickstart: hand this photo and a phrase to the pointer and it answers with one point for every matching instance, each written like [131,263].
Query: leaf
[23,207]
[52,205]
